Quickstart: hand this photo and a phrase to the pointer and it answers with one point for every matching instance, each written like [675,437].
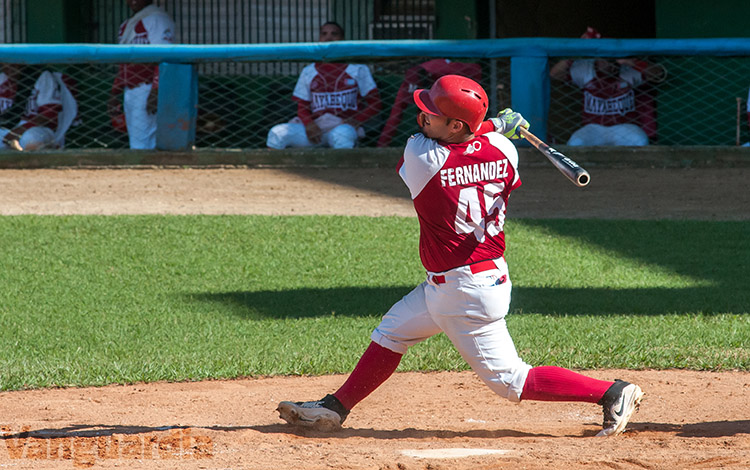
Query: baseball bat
[567,167]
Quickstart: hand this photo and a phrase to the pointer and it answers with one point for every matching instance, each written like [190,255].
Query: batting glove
[507,123]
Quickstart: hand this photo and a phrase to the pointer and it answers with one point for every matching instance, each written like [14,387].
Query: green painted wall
[455,19]
[56,21]
[702,19]
[45,21]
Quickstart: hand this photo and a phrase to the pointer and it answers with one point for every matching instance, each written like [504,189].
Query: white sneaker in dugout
[311,414]
[619,403]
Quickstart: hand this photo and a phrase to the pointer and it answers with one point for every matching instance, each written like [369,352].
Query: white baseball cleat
[619,403]
[314,414]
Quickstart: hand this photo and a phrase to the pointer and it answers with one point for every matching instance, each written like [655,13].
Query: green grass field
[88,300]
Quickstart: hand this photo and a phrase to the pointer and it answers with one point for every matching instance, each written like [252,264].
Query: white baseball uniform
[151,25]
[609,106]
[460,193]
[52,97]
[328,93]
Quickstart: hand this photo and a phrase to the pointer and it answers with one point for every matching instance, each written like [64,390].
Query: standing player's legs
[141,124]
[342,136]
[287,134]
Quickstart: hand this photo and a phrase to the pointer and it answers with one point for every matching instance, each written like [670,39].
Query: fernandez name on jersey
[486,171]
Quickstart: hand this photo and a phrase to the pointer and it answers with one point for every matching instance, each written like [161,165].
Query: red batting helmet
[455,97]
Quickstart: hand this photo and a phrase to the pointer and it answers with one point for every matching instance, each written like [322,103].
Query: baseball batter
[460,171]
[50,111]
[333,101]
[138,83]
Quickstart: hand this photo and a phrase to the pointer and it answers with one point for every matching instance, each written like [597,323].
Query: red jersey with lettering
[343,90]
[7,92]
[607,100]
[149,26]
[460,193]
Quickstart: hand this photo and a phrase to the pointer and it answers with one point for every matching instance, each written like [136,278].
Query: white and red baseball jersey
[337,89]
[460,192]
[48,98]
[7,92]
[151,25]
[607,100]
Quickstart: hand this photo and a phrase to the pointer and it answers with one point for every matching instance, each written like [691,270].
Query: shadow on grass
[716,251]
[308,302]
[637,301]
[375,302]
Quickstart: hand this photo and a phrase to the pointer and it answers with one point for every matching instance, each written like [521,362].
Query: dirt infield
[414,421]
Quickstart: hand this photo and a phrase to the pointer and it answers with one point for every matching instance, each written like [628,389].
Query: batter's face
[329,33]
[138,5]
[442,128]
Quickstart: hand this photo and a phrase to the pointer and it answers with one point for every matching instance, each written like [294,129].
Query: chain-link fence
[239,102]
[673,100]
[685,101]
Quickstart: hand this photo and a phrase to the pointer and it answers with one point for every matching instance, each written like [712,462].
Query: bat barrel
[567,166]
[582,178]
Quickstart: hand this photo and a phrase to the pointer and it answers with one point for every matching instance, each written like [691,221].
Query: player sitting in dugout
[51,109]
[422,76]
[617,110]
[333,101]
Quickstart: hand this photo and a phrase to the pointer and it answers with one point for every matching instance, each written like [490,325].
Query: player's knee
[343,137]
[632,135]
[276,138]
[576,139]
[37,138]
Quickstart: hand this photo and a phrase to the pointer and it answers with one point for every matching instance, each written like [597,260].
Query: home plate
[454,453]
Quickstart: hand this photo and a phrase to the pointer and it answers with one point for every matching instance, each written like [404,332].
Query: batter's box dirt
[687,420]
[414,421]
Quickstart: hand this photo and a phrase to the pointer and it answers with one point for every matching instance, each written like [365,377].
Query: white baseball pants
[292,134]
[619,134]
[470,309]
[141,124]
[34,138]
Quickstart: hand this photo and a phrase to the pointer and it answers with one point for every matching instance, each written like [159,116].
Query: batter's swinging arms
[460,172]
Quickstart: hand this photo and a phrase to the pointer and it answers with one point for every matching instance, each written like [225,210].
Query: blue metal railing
[530,85]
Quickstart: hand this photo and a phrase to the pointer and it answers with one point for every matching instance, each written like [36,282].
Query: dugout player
[460,171]
[51,109]
[616,110]
[138,83]
[333,101]
[422,76]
